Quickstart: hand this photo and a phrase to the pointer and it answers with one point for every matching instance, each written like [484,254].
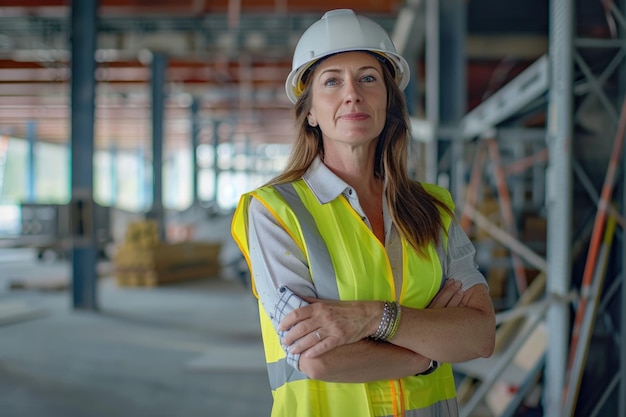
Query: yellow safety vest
[342,251]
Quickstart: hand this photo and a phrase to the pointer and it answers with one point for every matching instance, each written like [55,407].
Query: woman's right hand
[450,295]
[326,324]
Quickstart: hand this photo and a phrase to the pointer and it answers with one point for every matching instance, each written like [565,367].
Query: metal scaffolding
[578,72]
[559,197]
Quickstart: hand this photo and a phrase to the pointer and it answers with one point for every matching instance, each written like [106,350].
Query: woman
[368,289]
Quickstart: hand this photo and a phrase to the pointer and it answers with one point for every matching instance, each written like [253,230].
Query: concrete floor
[185,350]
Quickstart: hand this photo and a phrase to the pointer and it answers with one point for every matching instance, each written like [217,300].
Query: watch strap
[432,367]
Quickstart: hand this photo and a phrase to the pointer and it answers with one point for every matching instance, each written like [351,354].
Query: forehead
[356,59]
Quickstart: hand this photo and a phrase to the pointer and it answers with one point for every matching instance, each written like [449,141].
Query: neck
[356,171]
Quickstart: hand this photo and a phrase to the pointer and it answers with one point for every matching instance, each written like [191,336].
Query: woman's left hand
[323,325]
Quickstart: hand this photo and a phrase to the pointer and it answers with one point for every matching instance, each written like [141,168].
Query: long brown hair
[413,210]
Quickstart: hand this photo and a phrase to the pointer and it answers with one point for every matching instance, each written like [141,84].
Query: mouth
[354,116]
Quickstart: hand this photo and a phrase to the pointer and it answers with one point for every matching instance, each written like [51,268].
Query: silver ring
[319,338]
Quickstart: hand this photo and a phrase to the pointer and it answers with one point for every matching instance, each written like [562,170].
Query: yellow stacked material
[144,261]
[166,263]
[144,234]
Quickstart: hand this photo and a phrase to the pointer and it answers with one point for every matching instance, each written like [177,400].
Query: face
[349,99]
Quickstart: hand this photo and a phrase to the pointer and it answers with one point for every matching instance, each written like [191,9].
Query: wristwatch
[431,368]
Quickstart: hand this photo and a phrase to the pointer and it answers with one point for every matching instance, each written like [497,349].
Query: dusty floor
[185,350]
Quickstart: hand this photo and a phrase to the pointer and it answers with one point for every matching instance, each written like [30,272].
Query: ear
[311,120]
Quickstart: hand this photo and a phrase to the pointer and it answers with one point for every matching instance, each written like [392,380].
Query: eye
[368,79]
[330,82]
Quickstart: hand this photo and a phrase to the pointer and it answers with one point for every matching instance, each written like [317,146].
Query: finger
[296,333]
[304,343]
[295,317]
[325,345]
[455,300]
[453,284]
[445,294]
[312,300]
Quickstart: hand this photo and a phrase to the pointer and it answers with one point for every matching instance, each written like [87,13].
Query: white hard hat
[341,31]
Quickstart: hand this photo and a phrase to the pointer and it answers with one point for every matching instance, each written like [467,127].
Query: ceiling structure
[231,55]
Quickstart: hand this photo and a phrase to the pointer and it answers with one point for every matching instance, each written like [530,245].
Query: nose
[352,93]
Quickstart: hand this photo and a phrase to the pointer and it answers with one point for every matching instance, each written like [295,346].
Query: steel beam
[157,87]
[453,84]
[31,137]
[559,198]
[84,251]
[510,99]
[194,115]
[432,88]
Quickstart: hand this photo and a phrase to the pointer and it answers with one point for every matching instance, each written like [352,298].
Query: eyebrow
[361,69]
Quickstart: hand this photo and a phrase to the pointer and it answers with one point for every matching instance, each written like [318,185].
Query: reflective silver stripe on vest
[323,273]
[321,267]
[281,372]
[445,408]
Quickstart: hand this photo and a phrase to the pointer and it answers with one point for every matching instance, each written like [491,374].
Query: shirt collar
[323,182]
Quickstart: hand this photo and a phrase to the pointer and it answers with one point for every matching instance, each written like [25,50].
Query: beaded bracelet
[384,322]
[389,321]
[396,322]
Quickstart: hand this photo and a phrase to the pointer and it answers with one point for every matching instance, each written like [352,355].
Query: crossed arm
[457,326]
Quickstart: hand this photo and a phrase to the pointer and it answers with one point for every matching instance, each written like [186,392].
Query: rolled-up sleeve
[277,263]
[460,259]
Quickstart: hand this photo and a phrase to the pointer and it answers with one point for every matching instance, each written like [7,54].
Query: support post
[432,89]
[157,85]
[84,24]
[31,134]
[453,85]
[113,173]
[195,134]
[216,159]
[559,198]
